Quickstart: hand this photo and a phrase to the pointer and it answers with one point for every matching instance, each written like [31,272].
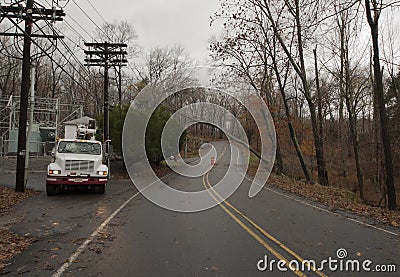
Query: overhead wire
[79,35]
[58,32]
[90,18]
[85,13]
[14,42]
[69,26]
[75,43]
[47,54]
[105,22]
[98,13]
[72,54]
[77,23]
[20,38]
[82,28]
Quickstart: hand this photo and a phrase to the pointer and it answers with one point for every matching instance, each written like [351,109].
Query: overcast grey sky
[157,22]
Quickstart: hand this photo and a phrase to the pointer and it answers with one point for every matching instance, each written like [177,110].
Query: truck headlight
[104,173]
[54,172]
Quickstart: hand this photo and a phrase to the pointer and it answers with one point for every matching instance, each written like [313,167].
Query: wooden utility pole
[106,55]
[31,15]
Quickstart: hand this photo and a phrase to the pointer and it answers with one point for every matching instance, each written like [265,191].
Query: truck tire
[51,190]
[101,189]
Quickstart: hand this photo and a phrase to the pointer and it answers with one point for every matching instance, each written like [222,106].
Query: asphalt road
[121,233]
[36,173]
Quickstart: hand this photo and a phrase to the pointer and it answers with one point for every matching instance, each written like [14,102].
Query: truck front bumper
[75,180]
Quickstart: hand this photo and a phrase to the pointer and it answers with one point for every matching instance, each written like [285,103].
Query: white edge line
[83,246]
[325,210]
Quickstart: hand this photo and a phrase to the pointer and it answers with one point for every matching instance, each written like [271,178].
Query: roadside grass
[333,197]
[11,244]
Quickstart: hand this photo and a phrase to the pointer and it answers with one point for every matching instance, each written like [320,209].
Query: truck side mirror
[92,124]
[53,154]
[110,148]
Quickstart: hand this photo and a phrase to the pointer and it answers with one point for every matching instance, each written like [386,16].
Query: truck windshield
[79,147]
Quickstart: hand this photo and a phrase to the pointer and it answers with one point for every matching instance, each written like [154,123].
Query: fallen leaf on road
[395,224]
[10,245]
[214,268]
[48,266]
[8,198]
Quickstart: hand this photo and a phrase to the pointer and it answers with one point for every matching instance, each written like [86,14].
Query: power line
[69,26]
[8,28]
[69,62]
[48,55]
[63,55]
[20,38]
[58,32]
[85,13]
[17,12]
[55,31]
[94,8]
[72,55]
[77,23]
[82,28]
[73,66]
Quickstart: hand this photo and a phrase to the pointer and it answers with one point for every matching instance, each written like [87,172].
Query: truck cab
[77,163]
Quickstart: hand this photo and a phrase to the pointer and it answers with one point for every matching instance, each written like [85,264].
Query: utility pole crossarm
[102,64]
[32,35]
[106,55]
[33,13]
[88,52]
[18,10]
[103,60]
[105,44]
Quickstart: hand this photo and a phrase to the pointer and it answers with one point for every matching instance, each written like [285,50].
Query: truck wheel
[51,190]
[100,189]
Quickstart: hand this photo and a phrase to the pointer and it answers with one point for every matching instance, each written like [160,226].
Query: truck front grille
[81,166]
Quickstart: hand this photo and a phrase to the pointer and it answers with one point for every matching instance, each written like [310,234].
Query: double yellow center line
[240,218]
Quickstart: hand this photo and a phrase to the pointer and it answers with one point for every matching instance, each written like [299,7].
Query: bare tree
[373,9]
[298,13]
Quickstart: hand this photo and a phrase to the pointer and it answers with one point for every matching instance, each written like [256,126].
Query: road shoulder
[11,244]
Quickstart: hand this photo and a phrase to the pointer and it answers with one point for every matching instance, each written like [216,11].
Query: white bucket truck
[78,159]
